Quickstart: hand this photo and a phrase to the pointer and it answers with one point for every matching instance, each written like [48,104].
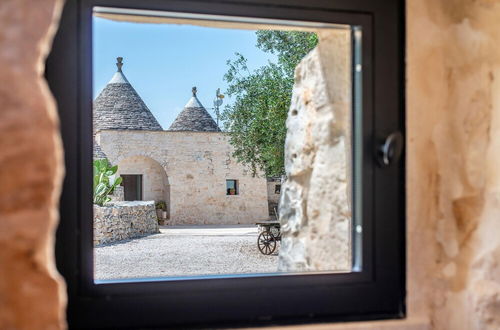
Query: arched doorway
[144,179]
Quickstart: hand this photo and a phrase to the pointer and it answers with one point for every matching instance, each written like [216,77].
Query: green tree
[256,119]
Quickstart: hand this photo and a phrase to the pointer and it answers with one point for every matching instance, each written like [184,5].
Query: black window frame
[377,291]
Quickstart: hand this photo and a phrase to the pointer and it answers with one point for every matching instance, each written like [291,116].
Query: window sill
[405,324]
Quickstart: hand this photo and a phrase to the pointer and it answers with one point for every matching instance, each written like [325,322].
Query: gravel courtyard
[185,250]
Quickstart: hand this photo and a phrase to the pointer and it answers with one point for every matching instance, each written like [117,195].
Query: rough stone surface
[155,183]
[315,207]
[118,194]
[194,117]
[98,153]
[118,221]
[31,169]
[118,106]
[453,177]
[189,170]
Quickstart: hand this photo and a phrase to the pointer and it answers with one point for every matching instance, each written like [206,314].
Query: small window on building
[277,189]
[232,187]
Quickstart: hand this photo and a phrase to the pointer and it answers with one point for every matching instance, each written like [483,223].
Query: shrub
[161,205]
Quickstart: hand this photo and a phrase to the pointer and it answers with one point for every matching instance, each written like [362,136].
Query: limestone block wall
[154,179]
[196,165]
[123,220]
[315,210]
[271,191]
[272,197]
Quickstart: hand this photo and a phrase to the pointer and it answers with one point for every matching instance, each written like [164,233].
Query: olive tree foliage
[255,121]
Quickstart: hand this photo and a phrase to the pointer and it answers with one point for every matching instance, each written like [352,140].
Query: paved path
[185,250]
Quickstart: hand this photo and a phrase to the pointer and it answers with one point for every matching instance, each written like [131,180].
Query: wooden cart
[269,235]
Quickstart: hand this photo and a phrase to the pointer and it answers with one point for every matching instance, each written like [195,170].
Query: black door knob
[389,151]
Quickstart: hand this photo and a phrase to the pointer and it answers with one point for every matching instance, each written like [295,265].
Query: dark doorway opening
[132,187]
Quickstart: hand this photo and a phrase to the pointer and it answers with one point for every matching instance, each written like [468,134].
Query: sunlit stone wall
[193,167]
[123,220]
[315,207]
[272,197]
[155,186]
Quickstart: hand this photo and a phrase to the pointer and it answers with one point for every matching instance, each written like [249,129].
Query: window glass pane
[231,187]
[277,189]
[190,110]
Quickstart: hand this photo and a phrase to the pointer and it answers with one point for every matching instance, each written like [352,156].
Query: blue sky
[163,61]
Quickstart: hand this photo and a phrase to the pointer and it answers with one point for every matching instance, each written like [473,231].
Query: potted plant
[161,212]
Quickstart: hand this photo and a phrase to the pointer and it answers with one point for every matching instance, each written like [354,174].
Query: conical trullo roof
[194,117]
[119,106]
[98,153]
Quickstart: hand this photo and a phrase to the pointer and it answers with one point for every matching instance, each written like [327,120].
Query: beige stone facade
[189,170]
[273,195]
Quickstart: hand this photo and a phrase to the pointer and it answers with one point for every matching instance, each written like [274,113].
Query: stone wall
[32,293]
[453,174]
[315,210]
[272,197]
[155,184]
[117,195]
[123,220]
[196,166]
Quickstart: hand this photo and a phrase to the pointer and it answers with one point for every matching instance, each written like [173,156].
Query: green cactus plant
[105,181]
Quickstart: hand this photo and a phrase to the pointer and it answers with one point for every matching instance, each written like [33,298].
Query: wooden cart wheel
[266,243]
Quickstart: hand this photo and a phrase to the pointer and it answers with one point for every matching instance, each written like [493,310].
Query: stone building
[273,195]
[189,166]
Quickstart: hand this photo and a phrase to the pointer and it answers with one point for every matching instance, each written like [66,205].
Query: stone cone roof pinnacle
[194,117]
[119,106]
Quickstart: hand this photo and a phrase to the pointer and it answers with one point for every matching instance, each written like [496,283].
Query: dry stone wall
[123,220]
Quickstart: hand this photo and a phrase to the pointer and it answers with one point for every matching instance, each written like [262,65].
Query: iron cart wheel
[266,243]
